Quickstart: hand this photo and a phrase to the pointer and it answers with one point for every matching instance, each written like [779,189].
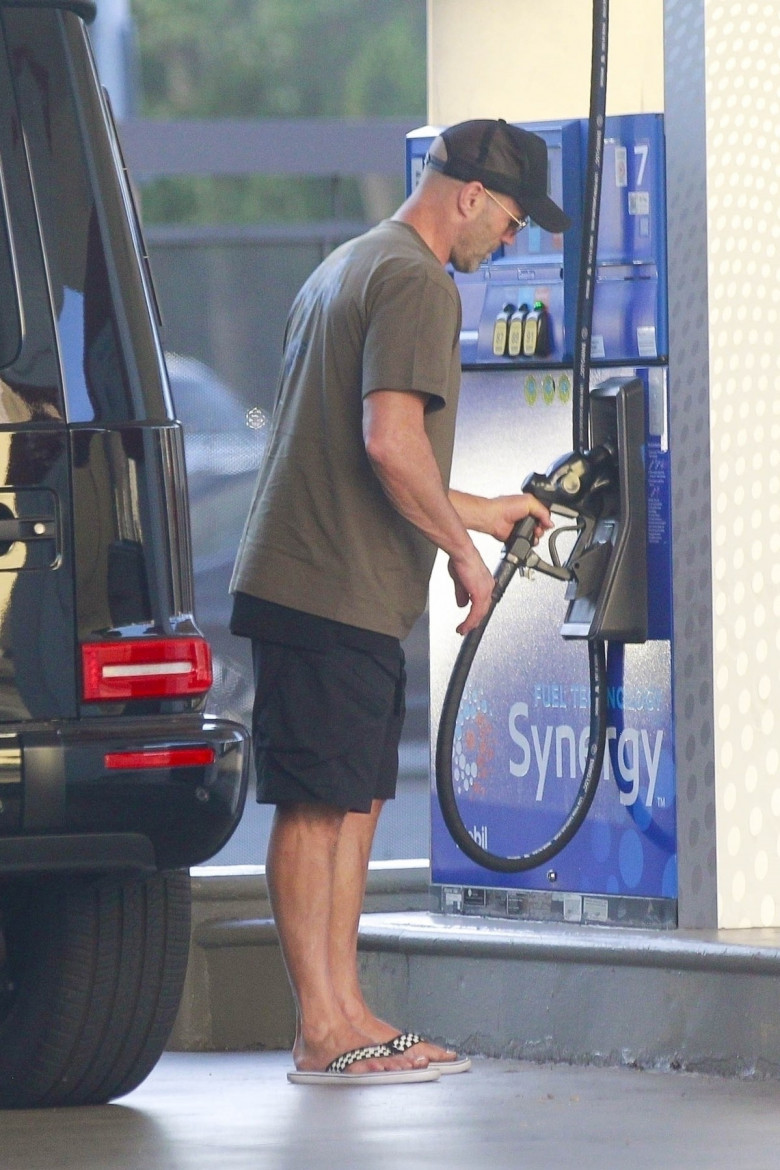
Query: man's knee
[312,815]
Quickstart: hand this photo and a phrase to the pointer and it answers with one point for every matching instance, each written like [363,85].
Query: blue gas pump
[521,737]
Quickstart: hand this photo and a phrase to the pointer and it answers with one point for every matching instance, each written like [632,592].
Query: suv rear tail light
[182,757]
[145,668]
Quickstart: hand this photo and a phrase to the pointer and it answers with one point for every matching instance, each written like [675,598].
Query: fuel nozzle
[577,483]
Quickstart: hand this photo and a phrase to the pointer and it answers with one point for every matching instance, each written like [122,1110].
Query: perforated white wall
[742,39]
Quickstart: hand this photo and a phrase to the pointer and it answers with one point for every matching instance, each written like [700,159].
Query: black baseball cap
[504,158]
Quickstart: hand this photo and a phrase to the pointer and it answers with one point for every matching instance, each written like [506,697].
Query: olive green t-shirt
[380,313]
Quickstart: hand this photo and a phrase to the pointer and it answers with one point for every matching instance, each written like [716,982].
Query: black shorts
[328,712]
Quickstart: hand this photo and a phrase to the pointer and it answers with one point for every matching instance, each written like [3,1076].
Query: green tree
[275,58]
[281,58]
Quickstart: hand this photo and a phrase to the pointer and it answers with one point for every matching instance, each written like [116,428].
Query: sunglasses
[517,224]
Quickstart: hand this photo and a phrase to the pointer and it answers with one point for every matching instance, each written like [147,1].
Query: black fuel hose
[597,667]
[446,738]
[590,225]
[597,658]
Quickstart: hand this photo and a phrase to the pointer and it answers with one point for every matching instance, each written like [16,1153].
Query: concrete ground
[236,1111]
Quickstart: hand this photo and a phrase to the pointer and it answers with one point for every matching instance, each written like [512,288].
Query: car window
[83,303]
[10,320]
[10,323]
[29,371]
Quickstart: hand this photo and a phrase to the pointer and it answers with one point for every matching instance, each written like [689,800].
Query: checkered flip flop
[406,1040]
[337,1071]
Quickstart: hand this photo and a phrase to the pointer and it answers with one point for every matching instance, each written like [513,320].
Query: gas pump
[521,763]
[602,490]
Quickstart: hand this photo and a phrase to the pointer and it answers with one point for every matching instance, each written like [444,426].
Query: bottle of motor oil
[514,344]
[500,330]
[536,333]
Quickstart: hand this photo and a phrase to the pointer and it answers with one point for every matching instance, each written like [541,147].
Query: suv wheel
[92,977]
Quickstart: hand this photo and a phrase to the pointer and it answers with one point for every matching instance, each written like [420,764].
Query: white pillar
[742,101]
[723,160]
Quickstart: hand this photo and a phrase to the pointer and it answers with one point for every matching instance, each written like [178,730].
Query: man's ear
[470,199]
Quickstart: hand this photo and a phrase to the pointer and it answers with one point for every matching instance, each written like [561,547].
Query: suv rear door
[37,619]
[99,556]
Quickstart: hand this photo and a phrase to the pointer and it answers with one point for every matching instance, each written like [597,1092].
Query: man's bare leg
[300,870]
[353,852]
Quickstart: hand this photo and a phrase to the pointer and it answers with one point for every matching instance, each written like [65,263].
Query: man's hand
[510,509]
[473,584]
[497,515]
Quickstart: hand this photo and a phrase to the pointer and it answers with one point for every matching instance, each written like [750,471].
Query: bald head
[506,159]
[459,221]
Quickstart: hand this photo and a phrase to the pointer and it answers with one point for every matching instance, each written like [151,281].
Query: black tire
[94,971]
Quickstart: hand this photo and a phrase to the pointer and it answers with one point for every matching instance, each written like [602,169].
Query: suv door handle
[30,528]
[29,523]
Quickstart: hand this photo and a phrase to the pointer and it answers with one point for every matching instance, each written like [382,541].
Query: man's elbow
[383,448]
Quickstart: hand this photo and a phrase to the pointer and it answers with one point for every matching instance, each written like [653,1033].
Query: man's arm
[404,463]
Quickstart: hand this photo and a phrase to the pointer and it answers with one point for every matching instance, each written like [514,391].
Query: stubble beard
[468,254]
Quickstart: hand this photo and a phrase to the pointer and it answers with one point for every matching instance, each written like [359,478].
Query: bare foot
[381,1032]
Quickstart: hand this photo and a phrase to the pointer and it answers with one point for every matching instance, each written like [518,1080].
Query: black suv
[112,780]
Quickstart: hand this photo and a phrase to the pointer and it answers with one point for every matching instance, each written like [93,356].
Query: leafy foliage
[281,58]
[275,58]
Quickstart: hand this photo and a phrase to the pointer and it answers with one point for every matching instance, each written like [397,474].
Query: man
[333,569]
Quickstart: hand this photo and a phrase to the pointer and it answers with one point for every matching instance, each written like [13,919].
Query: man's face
[494,223]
